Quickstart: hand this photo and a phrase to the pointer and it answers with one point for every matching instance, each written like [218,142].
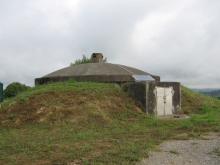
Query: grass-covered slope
[92,123]
[193,102]
[77,102]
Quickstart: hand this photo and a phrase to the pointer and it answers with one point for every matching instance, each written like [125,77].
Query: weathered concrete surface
[144,92]
[97,72]
[138,92]
[97,57]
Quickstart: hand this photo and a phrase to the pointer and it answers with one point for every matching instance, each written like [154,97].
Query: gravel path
[186,152]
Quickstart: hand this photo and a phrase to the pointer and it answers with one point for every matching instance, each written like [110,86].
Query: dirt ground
[203,151]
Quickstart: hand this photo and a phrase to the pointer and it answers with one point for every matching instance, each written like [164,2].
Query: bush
[84,60]
[14,88]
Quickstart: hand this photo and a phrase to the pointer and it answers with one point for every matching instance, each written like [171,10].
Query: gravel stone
[186,152]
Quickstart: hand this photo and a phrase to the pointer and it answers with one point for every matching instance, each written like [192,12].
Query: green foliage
[14,88]
[84,60]
[81,61]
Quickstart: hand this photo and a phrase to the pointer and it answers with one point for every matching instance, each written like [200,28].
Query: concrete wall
[144,92]
[97,57]
[90,78]
[138,91]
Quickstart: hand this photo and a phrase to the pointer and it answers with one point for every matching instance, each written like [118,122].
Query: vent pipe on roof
[97,57]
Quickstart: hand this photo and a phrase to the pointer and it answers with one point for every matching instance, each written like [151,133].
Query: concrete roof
[96,69]
[104,72]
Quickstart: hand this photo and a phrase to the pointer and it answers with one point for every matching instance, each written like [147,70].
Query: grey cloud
[177,40]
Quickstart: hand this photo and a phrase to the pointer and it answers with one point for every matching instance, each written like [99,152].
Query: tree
[84,60]
[14,88]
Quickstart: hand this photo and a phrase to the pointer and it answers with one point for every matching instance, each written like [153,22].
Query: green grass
[92,123]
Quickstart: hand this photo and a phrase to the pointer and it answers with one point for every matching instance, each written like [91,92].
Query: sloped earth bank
[204,151]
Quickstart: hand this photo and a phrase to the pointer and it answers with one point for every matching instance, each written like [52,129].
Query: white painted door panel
[168,101]
[164,101]
[160,101]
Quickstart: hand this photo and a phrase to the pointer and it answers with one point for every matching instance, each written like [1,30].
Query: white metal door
[164,101]
[160,101]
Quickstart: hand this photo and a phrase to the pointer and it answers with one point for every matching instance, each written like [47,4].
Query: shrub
[84,60]
[14,88]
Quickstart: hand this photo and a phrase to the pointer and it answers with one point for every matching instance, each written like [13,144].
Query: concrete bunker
[157,98]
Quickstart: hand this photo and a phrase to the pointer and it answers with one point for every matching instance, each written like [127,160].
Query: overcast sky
[177,40]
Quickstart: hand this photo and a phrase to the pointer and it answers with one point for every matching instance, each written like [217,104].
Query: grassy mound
[196,103]
[67,101]
[92,123]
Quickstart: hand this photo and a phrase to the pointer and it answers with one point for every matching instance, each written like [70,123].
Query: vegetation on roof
[84,60]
